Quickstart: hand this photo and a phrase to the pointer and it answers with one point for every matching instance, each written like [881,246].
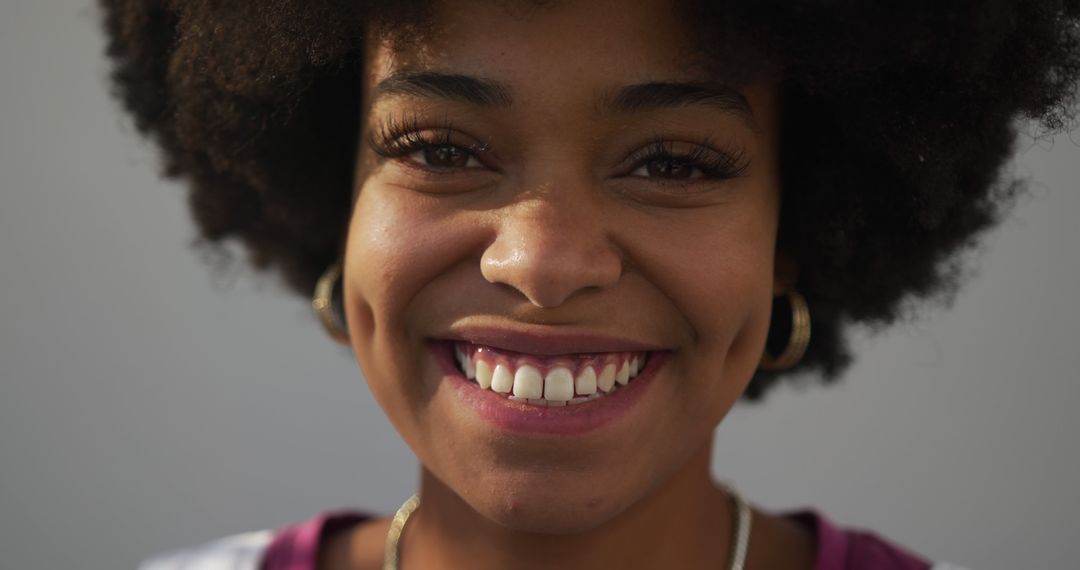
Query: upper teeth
[566,382]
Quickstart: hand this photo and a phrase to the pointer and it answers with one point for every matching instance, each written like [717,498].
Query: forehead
[573,41]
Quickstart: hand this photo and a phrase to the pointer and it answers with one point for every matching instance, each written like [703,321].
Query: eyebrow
[659,95]
[449,86]
[627,99]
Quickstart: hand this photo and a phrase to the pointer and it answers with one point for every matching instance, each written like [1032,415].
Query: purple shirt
[297,547]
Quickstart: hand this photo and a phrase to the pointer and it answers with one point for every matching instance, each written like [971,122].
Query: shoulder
[238,552]
[294,547]
[853,548]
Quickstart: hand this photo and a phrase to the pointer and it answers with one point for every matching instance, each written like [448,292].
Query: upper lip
[545,341]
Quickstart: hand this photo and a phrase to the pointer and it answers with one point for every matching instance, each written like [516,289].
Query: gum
[576,364]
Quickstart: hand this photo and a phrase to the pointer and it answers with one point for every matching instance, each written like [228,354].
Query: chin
[546,514]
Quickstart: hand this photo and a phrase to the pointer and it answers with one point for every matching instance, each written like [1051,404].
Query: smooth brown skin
[557,229]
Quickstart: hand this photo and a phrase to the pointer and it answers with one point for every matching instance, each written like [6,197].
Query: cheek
[740,305]
[717,270]
[399,245]
[731,285]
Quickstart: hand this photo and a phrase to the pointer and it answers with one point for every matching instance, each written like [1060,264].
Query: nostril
[548,266]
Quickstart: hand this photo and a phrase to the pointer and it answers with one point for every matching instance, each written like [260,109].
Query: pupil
[446,156]
[669,169]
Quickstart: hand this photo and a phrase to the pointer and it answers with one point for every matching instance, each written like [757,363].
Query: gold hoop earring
[323,304]
[799,339]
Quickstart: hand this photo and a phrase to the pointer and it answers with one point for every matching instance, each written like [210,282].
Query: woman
[564,238]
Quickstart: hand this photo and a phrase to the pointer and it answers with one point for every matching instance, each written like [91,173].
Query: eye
[677,161]
[436,149]
[444,156]
[669,168]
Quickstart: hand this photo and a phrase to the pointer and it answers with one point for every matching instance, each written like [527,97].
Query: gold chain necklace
[738,555]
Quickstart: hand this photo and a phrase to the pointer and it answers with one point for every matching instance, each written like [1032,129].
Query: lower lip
[566,420]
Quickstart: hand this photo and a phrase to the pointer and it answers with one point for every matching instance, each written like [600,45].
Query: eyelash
[398,138]
[713,164]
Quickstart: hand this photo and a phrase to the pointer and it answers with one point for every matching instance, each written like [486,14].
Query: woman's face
[549,190]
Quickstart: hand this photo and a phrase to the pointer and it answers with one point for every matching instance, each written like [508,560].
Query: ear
[785,273]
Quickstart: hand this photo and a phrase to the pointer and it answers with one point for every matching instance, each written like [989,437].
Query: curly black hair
[899,118]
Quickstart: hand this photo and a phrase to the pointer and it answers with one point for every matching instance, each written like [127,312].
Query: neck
[686,522]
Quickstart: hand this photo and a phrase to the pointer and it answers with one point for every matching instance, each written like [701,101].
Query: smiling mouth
[560,380]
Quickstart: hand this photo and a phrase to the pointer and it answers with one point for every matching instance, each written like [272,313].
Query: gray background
[147,404]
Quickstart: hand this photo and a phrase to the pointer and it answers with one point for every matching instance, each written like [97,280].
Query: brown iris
[446,156]
[669,168]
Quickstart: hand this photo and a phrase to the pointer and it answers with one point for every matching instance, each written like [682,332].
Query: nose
[552,245]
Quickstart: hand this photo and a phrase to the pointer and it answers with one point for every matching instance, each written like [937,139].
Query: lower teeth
[555,403]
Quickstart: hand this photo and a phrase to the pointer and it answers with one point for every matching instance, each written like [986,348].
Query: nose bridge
[550,243]
[550,217]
